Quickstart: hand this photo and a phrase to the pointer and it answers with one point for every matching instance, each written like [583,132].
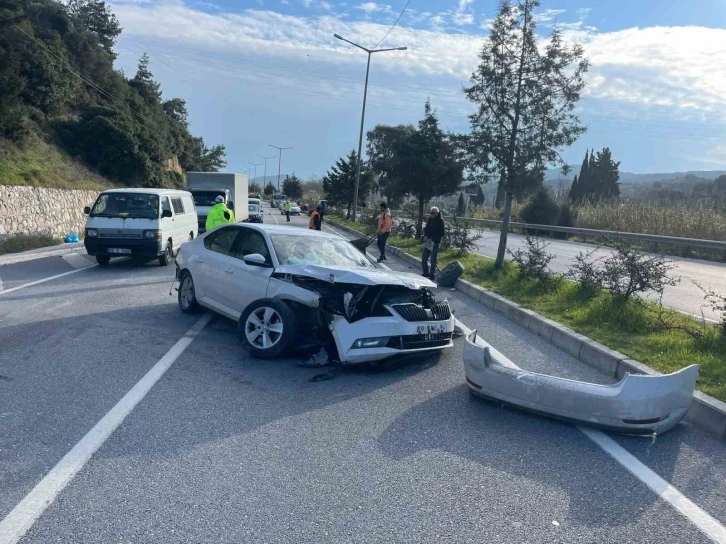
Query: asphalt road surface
[224,448]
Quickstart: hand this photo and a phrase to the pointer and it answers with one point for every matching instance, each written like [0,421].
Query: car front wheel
[187,296]
[267,328]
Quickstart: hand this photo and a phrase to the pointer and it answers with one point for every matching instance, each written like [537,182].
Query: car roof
[284,229]
[148,191]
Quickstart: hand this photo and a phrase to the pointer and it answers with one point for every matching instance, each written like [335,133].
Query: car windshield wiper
[104,215]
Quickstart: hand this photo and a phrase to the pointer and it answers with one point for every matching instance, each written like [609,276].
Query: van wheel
[168,255]
[103,260]
[267,328]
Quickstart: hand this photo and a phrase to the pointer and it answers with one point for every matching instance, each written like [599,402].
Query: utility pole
[265,179]
[363,114]
[279,164]
[256,165]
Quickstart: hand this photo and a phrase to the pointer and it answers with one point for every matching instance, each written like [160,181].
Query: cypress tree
[575,193]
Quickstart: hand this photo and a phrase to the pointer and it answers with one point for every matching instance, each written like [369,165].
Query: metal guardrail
[594,233]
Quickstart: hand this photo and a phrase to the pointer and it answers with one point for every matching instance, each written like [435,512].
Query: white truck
[207,186]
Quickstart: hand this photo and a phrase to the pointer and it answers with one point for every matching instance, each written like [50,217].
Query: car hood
[360,276]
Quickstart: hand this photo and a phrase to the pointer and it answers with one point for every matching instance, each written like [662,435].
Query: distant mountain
[629,177]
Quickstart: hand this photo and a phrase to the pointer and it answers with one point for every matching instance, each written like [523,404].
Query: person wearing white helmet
[219,214]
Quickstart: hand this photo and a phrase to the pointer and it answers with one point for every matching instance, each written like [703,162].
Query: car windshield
[206,198]
[297,249]
[126,205]
[254,208]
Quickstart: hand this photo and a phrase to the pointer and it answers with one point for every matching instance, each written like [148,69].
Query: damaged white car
[296,288]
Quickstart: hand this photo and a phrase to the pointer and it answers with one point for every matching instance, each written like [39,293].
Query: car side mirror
[230,206]
[255,259]
[87,210]
[166,213]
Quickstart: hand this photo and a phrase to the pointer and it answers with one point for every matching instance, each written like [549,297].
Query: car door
[210,265]
[166,224]
[244,283]
[180,231]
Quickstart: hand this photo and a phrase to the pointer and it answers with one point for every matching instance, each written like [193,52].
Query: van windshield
[124,205]
[206,198]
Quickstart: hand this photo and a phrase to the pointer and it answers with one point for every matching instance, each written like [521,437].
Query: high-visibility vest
[216,216]
[287,206]
[312,220]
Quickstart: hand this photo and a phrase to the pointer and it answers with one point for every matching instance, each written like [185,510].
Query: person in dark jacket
[433,234]
[316,220]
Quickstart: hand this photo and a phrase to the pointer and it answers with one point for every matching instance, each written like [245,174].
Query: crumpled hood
[359,276]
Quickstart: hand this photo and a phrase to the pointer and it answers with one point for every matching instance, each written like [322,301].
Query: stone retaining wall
[38,210]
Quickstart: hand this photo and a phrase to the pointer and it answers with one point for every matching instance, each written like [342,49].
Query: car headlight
[152,234]
[363,343]
[91,233]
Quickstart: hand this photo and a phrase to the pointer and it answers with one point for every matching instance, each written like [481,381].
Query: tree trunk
[347,216]
[419,220]
[501,251]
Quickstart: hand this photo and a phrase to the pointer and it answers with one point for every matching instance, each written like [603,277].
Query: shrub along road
[227,448]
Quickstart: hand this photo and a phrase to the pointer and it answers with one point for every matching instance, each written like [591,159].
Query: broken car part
[637,404]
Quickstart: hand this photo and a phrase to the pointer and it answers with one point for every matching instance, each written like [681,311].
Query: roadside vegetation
[24,242]
[663,339]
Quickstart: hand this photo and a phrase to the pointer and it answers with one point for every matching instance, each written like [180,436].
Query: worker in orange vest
[384,230]
[315,220]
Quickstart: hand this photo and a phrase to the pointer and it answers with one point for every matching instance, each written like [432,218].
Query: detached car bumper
[636,404]
[393,337]
[123,247]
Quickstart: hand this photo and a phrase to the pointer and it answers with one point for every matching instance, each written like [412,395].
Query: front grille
[420,341]
[120,236]
[440,311]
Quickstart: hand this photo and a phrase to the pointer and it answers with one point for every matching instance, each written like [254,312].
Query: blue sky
[260,72]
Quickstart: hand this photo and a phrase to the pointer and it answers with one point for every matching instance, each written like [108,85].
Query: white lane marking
[76,260]
[709,526]
[26,513]
[274,216]
[6,291]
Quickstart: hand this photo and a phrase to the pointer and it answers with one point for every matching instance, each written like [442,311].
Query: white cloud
[677,70]
[372,7]
[464,14]
[549,15]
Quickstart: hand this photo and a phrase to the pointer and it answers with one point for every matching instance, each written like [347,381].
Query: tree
[575,190]
[255,188]
[525,99]
[339,182]
[383,141]
[292,187]
[479,199]
[461,206]
[719,185]
[96,18]
[144,82]
[541,209]
[269,189]
[599,175]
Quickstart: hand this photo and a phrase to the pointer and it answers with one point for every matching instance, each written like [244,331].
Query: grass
[40,164]
[24,242]
[631,329]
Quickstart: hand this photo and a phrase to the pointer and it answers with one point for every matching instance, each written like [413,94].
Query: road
[224,448]
[686,296]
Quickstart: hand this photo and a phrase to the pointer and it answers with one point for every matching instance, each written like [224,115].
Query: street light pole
[363,113]
[266,159]
[279,164]
[255,165]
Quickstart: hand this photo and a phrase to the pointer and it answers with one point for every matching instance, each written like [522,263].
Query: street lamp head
[338,36]
[404,48]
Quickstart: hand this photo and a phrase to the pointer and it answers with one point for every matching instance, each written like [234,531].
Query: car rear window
[301,249]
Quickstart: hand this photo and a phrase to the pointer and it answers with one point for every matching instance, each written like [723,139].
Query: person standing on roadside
[315,220]
[433,234]
[219,214]
[385,221]
[287,209]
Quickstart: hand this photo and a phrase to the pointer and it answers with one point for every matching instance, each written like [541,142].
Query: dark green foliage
[598,178]
[461,205]
[122,128]
[420,162]
[525,96]
[269,189]
[292,187]
[541,209]
[533,262]
[479,199]
[339,183]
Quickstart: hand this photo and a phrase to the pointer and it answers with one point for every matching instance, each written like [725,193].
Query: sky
[261,72]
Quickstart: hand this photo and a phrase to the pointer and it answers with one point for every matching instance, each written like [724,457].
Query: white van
[255,201]
[151,223]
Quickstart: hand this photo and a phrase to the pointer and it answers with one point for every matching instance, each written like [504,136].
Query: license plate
[119,251]
[439,328]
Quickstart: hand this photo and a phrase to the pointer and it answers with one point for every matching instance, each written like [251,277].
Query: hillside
[67,116]
[42,164]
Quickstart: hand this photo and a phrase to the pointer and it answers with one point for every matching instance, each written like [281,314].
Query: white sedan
[290,287]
